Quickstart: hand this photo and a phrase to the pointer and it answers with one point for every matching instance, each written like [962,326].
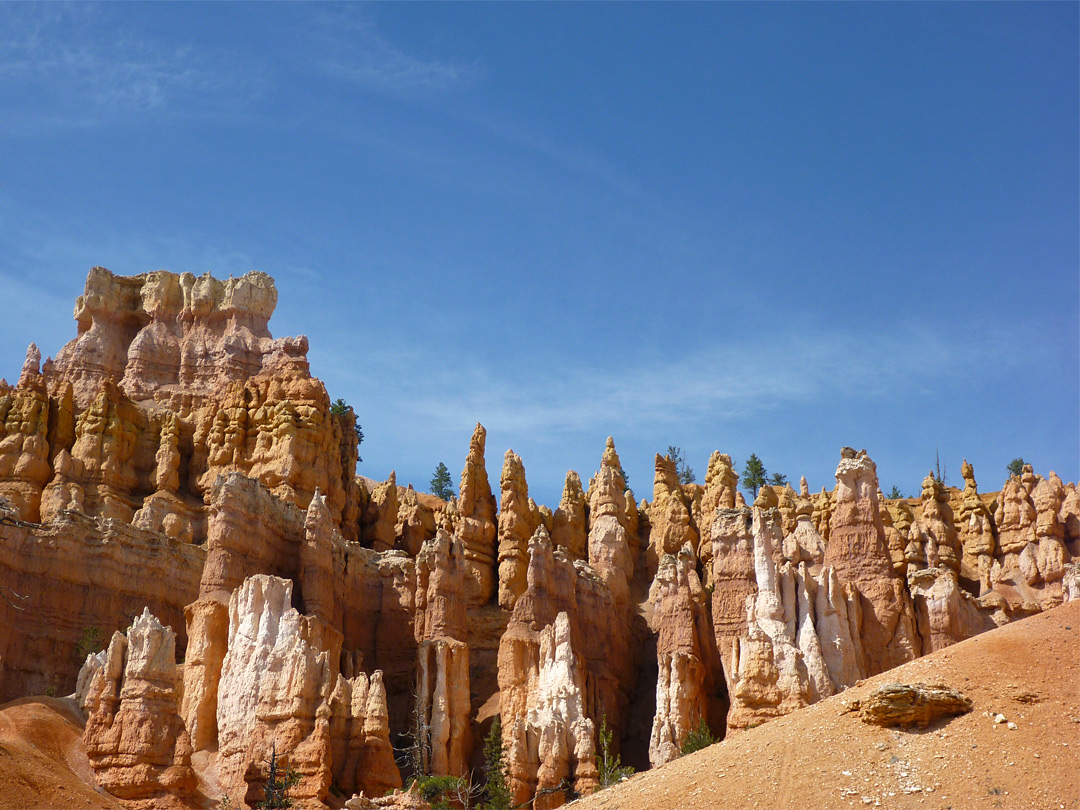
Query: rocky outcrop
[670,516]
[733,579]
[558,585]
[275,691]
[476,526]
[168,338]
[932,539]
[609,549]
[916,704]
[24,426]
[858,551]
[75,576]
[360,749]
[569,529]
[778,666]
[380,518]
[945,614]
[686,655]
[443,699]
[415,521]
[134,737]
[516,525]
[976,530]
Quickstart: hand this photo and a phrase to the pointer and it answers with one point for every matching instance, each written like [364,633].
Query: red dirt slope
[825,757]
[42,762]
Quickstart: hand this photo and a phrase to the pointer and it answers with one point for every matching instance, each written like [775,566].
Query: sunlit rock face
[134,738]
[442,690]
[687,660]
[176,458]
[475,525]
[859,553]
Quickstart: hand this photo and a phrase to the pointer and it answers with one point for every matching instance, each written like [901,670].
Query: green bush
[612,771]
[699,737]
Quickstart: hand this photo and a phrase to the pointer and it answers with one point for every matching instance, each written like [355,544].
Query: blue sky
[770,228]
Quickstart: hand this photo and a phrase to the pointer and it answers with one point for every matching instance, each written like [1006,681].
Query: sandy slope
[824,757]
[42,762]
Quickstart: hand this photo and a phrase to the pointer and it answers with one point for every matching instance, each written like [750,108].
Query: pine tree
[685,474]
[278,784]
[1016,467]
[498,784]
[754,475]
[441,483]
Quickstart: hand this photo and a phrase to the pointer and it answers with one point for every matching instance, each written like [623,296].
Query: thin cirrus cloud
[661,391]
[77,66]
[72,67]
[350,48]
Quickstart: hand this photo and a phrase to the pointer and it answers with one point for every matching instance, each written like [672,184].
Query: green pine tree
[498,781]
[754,475]
[441,483]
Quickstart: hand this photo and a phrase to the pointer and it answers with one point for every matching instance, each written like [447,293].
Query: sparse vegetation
[778,480]
[682,469]
[612,771]
[90,641]
[700,736]
[941,471]
[1016,466]
[441,483]
[754,475]
[895,493]
[278,784]
[340,407]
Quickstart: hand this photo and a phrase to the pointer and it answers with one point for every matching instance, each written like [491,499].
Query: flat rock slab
[908,704]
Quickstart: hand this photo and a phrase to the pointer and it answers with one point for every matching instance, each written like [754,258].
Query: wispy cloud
[736,379]
[349,48]
[79,66]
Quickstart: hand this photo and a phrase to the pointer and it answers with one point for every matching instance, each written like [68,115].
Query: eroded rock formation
[134,737]
[176,457]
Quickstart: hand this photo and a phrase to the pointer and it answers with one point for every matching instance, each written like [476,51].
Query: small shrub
[699,737]
[438,790]
[278,785]
[89,642]
[612,771]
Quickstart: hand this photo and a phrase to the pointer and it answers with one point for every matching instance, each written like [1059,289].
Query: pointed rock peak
[31,369]
[804,488]
[392,479]
[611,458]
[968,474]
[572,491]
[479,439]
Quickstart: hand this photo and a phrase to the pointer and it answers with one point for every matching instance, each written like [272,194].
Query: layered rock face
[671,519]
[475,524]
[857,549]
[134,737]
[547,692]
[687,659]
[278,688]
[517,521]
